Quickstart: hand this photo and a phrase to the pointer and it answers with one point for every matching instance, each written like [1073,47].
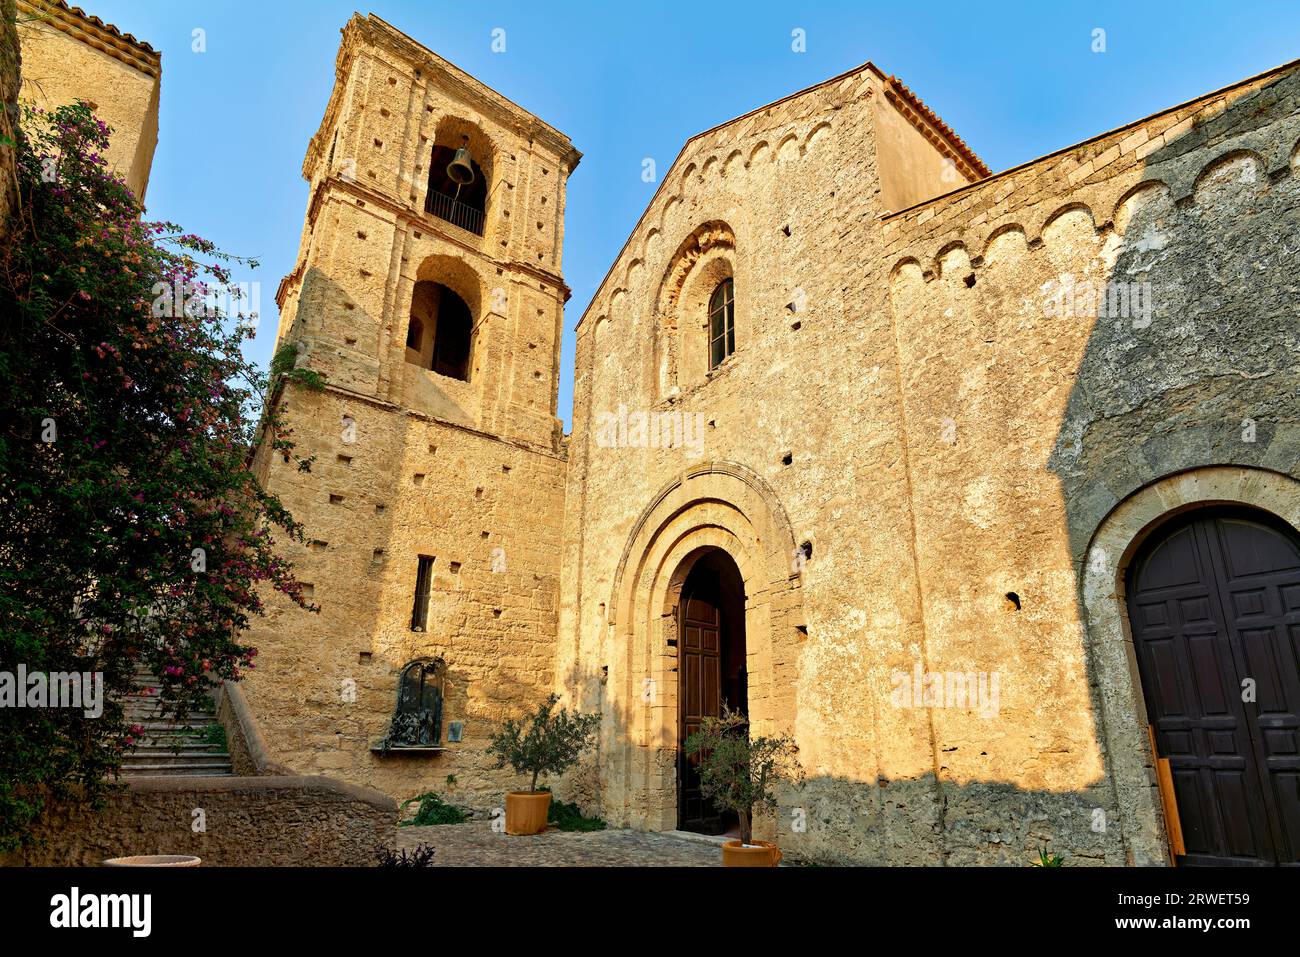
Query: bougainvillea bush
[133,536]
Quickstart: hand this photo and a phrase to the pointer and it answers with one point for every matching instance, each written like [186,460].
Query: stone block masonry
[272,821]
[924,394]
[946,401]
[461,469]
[69,55]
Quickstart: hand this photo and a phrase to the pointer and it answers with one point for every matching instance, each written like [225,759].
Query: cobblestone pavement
[476,845]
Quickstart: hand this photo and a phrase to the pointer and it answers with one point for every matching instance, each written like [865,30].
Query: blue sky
[630,81]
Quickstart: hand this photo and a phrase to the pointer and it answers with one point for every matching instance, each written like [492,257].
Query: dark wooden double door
[710,672]
[1214,605]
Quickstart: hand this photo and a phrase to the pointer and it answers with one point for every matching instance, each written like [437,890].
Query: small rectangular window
[423,583]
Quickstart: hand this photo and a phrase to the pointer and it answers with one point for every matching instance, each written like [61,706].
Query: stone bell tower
[428,292]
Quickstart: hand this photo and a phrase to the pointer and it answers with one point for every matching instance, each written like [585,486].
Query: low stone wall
[244,738]
[227,821]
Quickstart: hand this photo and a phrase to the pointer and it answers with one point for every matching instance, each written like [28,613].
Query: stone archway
[1110,638]
[714,507]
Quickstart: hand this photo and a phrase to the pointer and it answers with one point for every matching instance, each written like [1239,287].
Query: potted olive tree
[740,773]
[546,741]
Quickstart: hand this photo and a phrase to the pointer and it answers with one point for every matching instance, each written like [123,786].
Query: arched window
[722,323]
[440,333]
[417,720]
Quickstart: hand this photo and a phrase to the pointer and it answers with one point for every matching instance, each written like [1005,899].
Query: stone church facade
[878,446]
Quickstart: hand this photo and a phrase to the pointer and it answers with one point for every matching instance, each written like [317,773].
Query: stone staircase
[167,746]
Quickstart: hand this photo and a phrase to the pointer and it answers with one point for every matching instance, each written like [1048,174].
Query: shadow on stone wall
[1215,239]
[1204,373]
[1209,241]
[920,821]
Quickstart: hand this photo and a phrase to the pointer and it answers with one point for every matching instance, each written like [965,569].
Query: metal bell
[460,169]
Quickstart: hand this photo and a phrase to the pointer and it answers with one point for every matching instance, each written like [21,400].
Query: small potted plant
[546,741]
[740,773]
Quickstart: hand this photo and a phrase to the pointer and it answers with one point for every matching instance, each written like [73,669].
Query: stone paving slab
[476,845]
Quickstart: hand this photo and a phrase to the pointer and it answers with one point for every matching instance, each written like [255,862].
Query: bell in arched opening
[461,168]
[457,187]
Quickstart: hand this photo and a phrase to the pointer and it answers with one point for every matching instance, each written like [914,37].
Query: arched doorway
[711,673]
[1214,608]
[714,506]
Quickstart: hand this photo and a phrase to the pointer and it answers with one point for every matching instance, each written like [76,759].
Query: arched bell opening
[460,175]
[440,333]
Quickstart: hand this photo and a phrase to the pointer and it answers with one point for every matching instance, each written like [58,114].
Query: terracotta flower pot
[526,811]
[754,854]
[154,860]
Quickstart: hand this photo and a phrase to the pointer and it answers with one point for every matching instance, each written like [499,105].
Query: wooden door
[699,696]
[1214,605]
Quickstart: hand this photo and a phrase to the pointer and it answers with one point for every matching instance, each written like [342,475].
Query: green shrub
[567,817]
[420,856]
[432,810]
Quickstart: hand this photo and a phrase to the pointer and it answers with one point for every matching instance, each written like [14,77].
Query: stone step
[171,729]
[150,752]
[165,758]
[168,747]
[155,703]
[194,728]
[175,727]
[180,765]
[177,771]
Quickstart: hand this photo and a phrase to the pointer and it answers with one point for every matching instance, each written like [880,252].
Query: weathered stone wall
[367,239]
[69,56]
[908,456]
[906,397]
[247,822]
[370,519]
[801,443]
[1030,417]
[410,463]
[244,739]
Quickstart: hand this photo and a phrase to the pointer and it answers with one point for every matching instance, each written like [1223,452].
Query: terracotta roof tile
[97,22]
[944,129]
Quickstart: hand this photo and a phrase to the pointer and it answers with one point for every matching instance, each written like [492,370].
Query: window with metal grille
[423,583]
[722,323]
